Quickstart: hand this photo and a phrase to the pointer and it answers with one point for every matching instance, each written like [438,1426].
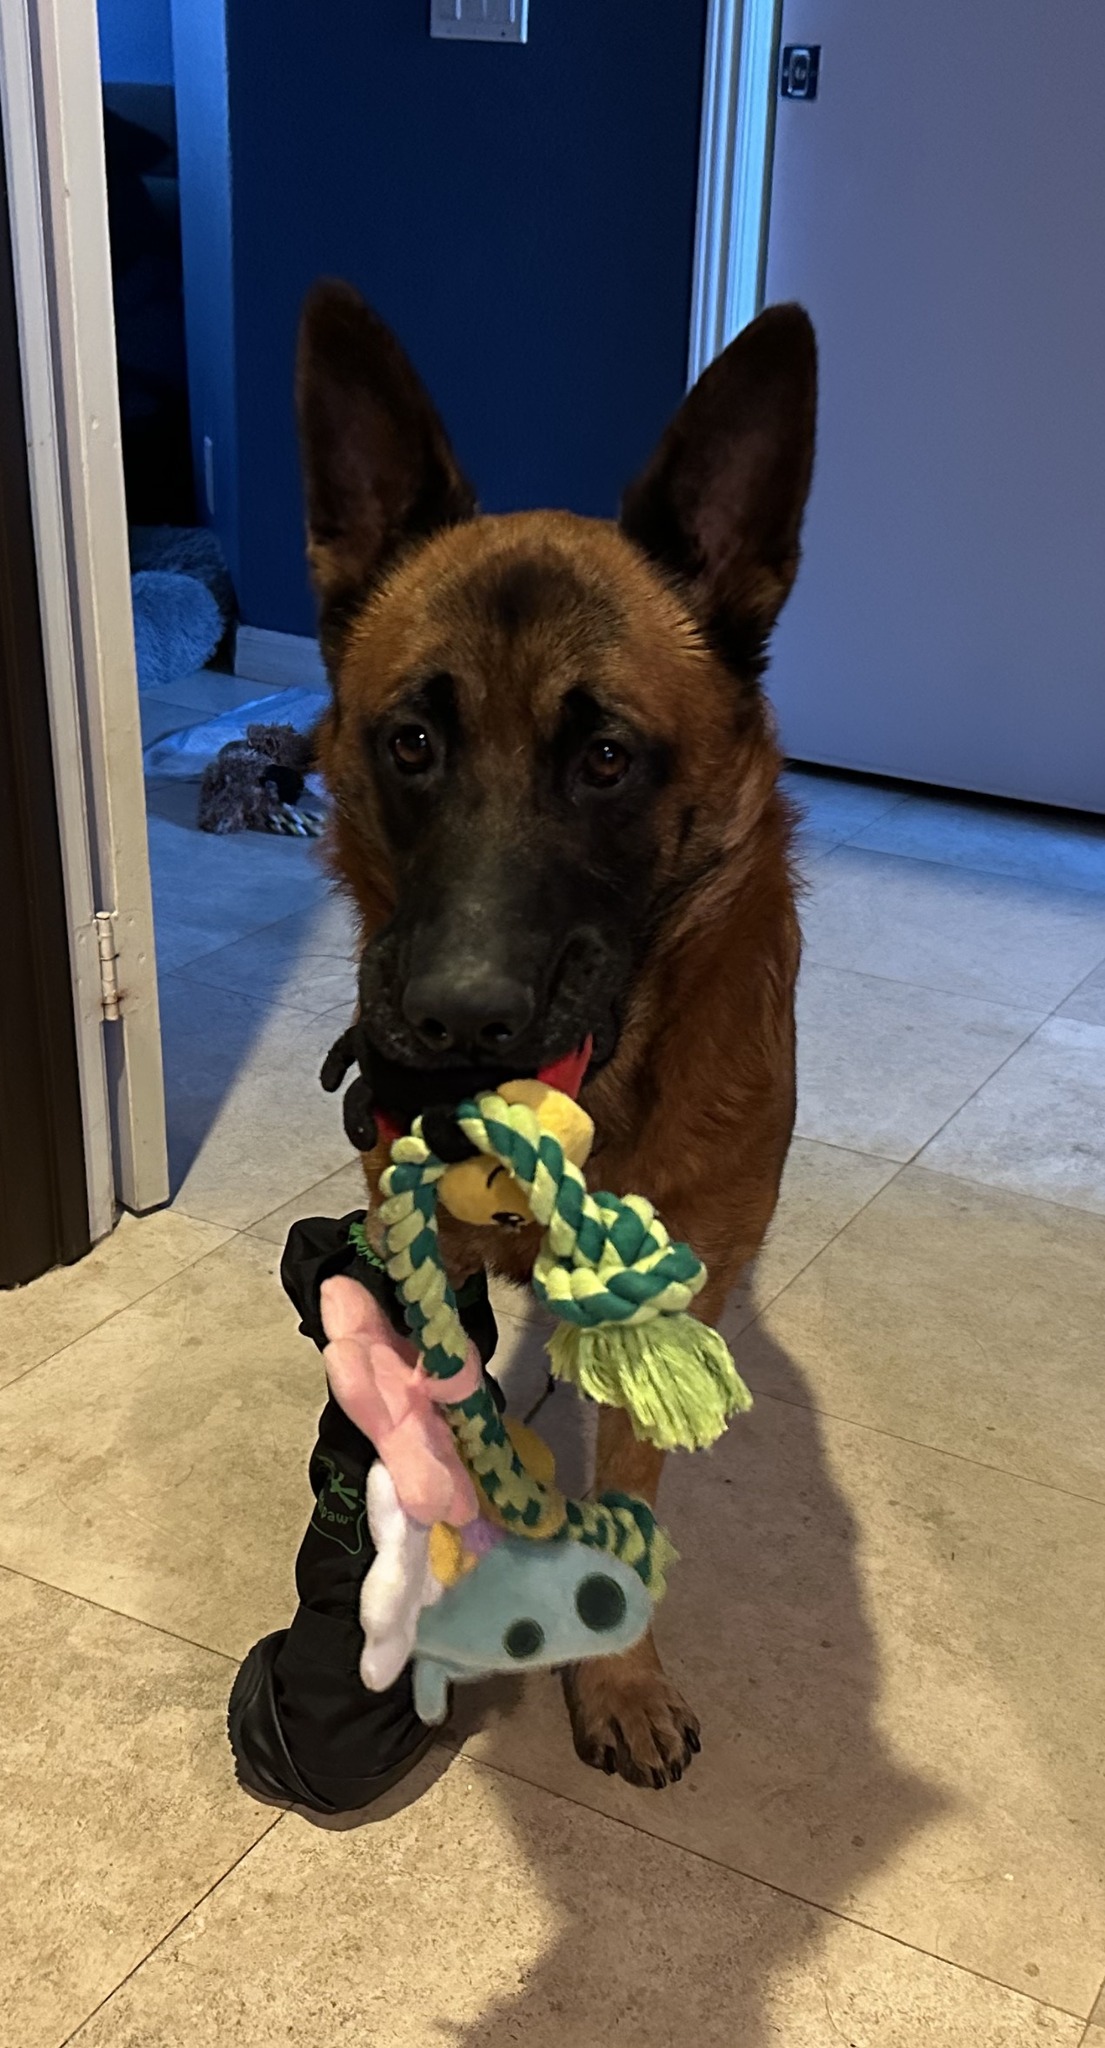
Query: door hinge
[109,963]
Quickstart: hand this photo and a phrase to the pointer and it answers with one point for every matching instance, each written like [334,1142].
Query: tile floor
[895,1834]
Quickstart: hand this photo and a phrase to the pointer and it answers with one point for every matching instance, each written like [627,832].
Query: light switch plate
[480,21]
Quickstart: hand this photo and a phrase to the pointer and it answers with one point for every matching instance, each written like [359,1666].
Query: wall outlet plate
[480,21]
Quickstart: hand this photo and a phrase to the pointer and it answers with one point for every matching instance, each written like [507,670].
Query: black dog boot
[302,1726]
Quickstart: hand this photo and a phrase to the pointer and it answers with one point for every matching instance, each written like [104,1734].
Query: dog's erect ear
[720,505]
[377,466]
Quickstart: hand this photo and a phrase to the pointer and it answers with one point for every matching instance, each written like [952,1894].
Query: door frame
[44,1210]
[53,121]
[734,172]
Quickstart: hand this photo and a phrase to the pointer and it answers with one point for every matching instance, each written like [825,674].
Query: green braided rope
[620,1288]
[617,1523]
[473,1292]
[409,1217]
[604,1258]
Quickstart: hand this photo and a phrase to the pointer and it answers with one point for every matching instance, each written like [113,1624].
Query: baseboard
[283,660]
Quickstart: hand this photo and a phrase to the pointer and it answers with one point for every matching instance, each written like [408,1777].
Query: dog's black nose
[481,1012]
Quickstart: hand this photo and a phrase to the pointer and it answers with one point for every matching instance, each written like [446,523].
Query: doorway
[44,1205]
[167,154]
[204,682]
[931,200]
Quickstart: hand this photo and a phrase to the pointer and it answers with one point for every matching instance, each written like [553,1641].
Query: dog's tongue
[567,1074]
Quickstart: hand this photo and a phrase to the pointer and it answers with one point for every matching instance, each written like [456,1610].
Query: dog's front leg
[627,1716]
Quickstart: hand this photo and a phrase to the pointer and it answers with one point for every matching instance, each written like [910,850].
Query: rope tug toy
[482,1564]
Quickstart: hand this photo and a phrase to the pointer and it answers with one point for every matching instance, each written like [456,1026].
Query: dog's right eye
[412,750]
[605,763]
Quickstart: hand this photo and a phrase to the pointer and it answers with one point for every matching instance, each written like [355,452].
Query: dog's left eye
[412,750]
[605,762]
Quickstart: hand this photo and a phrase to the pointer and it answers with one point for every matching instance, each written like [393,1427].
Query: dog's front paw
[629,1719]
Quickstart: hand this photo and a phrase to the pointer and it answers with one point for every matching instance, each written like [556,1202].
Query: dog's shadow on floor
[795,1801]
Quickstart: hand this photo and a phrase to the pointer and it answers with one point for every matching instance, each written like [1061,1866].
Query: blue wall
[524,217]
[136,42]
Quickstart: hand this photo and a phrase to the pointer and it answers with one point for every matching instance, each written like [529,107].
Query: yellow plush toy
[481,1190]
[449,1559]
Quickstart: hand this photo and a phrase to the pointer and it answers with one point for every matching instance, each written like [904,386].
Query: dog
[556,807]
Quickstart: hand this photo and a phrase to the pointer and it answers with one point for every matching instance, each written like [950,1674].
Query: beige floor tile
[212,888]
[1039,1125]
[160,714]
[1005,839]
[834,807]
[1097,2017]
[119,1807]
[305,962]
[213,691]
[1088,1000]
[140,1253]
[1002,939]
[567,1423]
[569,1427]
[823,1188]
[180,940]
[896,1659]
[248,1121]
[337,1195]
[491,1913]
[813,846]
[958,1316]
[882,1065]
[159,1464]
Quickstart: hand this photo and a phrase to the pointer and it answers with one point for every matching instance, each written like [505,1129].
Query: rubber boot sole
[262,1760]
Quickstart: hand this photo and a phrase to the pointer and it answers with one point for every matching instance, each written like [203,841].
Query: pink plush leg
[378,1381]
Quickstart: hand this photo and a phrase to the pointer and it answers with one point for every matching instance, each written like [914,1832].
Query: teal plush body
[527,1605]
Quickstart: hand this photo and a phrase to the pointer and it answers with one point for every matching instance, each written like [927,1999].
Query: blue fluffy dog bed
[182,600]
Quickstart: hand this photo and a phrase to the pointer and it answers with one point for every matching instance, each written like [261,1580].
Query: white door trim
[58,197]
[734,172]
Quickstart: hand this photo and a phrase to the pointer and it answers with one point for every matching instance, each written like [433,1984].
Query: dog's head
[546,731]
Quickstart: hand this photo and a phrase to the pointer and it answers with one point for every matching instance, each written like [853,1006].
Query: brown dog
[555,794]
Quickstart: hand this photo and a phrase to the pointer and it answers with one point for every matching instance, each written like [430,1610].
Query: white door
[53,127]
[940,208]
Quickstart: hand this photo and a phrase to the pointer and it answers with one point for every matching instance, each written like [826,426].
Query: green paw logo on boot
[340,1511]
